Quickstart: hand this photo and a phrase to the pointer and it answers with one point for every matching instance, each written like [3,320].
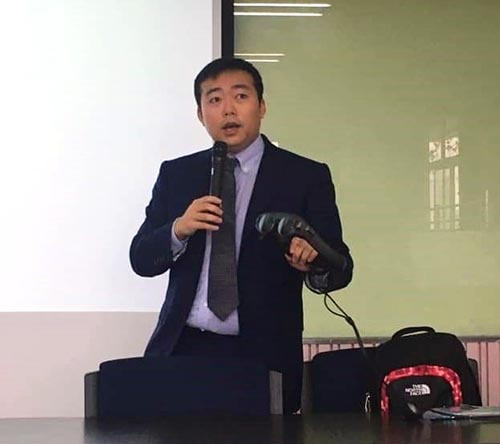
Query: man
[183,220]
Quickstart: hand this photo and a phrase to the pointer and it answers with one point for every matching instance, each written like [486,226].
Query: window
[444,185]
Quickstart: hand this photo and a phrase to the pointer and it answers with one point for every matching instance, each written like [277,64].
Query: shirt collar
[250,157]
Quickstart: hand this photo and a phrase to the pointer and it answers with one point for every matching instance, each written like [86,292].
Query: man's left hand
[301,254]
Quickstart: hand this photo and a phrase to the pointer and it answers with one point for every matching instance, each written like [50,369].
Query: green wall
[365,88]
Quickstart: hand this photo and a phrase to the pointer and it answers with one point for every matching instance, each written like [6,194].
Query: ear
[262,108]
[200,116]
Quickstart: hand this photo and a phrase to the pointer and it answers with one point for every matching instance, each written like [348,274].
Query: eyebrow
[236,86]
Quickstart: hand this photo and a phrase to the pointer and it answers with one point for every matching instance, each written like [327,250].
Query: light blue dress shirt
[245,173]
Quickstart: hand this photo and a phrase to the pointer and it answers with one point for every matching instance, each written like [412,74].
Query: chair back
[162,386]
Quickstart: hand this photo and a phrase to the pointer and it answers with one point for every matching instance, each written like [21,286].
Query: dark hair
[218,66]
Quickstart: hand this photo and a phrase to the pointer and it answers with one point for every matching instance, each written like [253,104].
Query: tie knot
[230,164]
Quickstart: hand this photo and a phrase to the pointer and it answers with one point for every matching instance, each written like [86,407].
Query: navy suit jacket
[270,290]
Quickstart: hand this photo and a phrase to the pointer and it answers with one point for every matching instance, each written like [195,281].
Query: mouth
[231,125]
[231,128]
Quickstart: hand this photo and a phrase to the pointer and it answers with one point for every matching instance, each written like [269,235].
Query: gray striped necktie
[222,279]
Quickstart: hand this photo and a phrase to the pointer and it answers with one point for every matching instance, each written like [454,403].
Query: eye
[214,100]
[241,96]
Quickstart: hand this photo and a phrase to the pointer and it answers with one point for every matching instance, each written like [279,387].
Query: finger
[302,255]
[208,207]
[210,199]
[313,254]
[296,243]
[203,212]
[304,250]
[216,209]
[290,260]
[299,250]
[194,219]
[297,266]
[205,226]
[208,218]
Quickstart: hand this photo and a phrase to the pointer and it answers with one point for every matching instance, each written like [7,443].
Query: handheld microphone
[219,152]
[285,226]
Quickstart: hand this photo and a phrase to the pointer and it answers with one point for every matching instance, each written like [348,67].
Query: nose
[229,109]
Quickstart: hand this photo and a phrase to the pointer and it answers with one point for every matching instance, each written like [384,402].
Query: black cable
[348,319]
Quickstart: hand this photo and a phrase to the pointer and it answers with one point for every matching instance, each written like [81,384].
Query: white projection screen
[94,95]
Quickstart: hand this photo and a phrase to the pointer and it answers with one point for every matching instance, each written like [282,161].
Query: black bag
[341,379]
[418,369]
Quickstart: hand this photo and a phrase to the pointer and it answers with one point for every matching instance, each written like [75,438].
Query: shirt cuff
[177,246]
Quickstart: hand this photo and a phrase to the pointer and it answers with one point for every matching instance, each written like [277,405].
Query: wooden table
[306,429]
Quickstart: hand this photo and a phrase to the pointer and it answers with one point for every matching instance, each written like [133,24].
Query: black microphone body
[285,226]
[219,153]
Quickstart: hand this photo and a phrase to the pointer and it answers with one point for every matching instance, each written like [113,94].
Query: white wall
[94,95]
[45,357]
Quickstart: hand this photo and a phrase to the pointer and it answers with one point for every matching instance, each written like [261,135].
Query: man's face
[230,109]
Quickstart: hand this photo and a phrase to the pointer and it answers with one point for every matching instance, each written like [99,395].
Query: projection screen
[95,94]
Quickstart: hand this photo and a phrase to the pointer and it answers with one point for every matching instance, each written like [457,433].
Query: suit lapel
[201,185]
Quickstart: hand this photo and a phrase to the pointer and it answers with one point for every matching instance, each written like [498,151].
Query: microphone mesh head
[220,149]
[264,223]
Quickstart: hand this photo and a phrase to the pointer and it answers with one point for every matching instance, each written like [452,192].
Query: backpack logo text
[418,390]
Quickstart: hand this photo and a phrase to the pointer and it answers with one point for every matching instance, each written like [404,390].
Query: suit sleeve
[150,251]
[323,215]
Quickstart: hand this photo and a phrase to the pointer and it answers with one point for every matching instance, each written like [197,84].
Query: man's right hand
[204,213]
